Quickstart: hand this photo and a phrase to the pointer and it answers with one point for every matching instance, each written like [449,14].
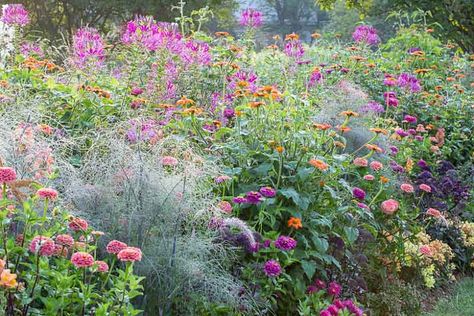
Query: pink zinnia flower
[225,206]
[60,251]
[47,193]
[425,187]
[169,161]
[115,246]
[272,268]
[433,212]
[130,254]
[407,188]
[7,175]
[369,177]
[360,162]
[222,179]
[44,246]
[65,240]
[376,165]
[334,289]
[102,266]
[78,224]
[15,14]
[389,206]
[82,260]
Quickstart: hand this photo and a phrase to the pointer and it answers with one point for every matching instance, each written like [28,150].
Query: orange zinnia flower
[219,34]
[377,130]
[315,35]
[321,165]
[295,223]
[8,279]
[374,148]
[344,129]
[322,127]
[256,104]
[384,179]
[280,149]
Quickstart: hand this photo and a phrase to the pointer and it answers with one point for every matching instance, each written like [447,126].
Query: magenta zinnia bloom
[47,193]
[7,174]
[88,48]
[366,34]
[130,254]
[82,260]
[253,197]
[43,246]
[268,192]
[272,268]
[285,243]
[358,193]
[251,18]
[15,14]
[334,289]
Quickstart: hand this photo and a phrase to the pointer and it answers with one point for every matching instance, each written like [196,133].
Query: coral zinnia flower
[295,223]
[78,224]
[322,127]
[7,174]
[82,260]
[379,130]
[102,266]
[373,147]
[349,113]
[433,212]
[8,279]
[130,254]
[184,101]
[47,193]
[321,165]
[291,37]
[115,246]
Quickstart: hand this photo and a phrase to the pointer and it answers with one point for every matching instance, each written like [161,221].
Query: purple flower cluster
[294,48]
[268,192]
[272,268]
[254,197]
[145,32]
[408,81]
[251,18]
[88,48]
[141,131]
[366,34]
[285,243]
[372,107]
[31,48]
[15,14]
[316,77]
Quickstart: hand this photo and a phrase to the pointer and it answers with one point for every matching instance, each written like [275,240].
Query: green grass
[461,303]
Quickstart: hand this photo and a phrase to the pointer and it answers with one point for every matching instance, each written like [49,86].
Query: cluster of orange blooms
[33,64]
[7,279]
[100,92]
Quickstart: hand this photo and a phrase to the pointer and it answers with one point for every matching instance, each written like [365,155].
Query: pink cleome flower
[102,266]
[7,175]
[42,245]
[115,246]
[65,240]
[82,260]
[47,194]
[78,224]
[15,14]
[389,206]
[130,254]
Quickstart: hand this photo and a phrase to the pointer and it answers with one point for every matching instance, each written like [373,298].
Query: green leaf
[290,193]
[351,234]
[309,268]
[321,244]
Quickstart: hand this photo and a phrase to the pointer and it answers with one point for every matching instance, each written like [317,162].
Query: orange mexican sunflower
[429,30]
[450,46]
[315,35]
[243,84]
[338,35]
[344,129]
[166,106]
[280,149]
[437,88]
[321,165]
[349,113]
[450,79]
[273,46]
[217,123]
[377,130]
[322,127]
[291,37]
[370,65]
[256,104]
[220,64]
[352,48]
[295,223]
[373,147]
[339,144]
[3,83]
[276,37]
[235,66]
[418,53]
[184,101]
[384,179]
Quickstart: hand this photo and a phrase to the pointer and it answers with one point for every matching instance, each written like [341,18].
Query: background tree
[454,18]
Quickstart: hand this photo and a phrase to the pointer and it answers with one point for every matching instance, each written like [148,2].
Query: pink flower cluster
[366,34]
[7,175]
[251,18]
[47,194]
[15,14]
[88,48]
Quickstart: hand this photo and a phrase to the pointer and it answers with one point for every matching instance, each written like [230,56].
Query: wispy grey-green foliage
[127,192]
